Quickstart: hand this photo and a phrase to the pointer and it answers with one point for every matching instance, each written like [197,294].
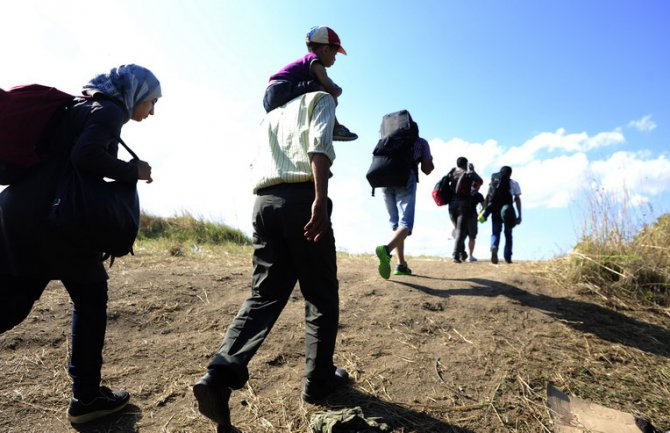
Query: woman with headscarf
[32,254]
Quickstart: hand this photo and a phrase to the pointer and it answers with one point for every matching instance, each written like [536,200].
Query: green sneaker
[402,270]
[384,261]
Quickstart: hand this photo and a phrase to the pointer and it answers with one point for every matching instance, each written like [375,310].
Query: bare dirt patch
[455,348]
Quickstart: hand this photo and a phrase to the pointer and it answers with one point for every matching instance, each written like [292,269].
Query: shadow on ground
[582,316]
[398,417]
[124,421]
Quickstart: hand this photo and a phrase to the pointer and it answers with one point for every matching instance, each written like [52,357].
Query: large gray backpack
[393,156]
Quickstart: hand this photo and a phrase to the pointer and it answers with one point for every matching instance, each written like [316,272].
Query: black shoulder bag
[96,215]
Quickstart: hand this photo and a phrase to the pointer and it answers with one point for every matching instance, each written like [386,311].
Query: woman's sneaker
[105,403]
[342,133]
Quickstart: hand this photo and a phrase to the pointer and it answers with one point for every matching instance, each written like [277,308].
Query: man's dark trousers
[283,256]
[460,210]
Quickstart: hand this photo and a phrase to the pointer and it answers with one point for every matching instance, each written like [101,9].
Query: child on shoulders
[308,74]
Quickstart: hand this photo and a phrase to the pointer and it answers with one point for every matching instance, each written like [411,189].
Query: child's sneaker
[105,403]
[342,133]
[384,261]
[402,270]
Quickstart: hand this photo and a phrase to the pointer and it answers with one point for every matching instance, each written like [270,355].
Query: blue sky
[572,94]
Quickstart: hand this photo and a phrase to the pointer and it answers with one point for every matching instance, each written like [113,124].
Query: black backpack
[393,157]
[442,191]
[462,184]
[499,192]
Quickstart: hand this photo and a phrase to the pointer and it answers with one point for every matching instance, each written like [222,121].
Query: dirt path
[455,348]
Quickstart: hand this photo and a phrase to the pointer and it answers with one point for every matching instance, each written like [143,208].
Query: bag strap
[100,95]
[130,151]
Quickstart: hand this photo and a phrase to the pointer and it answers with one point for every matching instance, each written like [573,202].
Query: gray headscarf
[131,84]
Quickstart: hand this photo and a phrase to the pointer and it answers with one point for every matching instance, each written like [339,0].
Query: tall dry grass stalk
[620,254]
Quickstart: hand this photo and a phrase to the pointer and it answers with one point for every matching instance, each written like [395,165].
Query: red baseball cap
[324,35]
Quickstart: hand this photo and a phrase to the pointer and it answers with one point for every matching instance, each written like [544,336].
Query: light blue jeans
[400,203]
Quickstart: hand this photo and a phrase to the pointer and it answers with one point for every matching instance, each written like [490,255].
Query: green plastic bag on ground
[350,420]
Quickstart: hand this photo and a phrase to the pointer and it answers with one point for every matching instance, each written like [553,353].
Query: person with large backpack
[461,208]
[396,171]
[82,140]
[503,192]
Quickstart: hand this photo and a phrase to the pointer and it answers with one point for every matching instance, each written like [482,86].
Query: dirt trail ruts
[455,348]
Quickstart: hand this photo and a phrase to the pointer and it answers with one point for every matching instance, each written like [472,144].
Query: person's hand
[319,223]
[518,220]
[144,171]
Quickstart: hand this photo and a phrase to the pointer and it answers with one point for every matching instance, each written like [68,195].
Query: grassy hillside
[614,260]
[178,233]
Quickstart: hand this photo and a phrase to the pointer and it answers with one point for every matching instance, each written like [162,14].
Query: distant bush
[188,229]
[618,256]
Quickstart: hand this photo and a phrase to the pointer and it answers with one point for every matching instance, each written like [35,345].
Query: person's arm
[480,203]
[426,160]
[477,180]
[96,147]
[319,223]
[144,171]
[517,200]
[329,85]
[427,165]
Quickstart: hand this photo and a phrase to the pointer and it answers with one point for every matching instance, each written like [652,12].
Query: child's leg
[275,95]
[279,93]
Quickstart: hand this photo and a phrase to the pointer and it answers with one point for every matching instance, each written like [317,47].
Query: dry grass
[620,256]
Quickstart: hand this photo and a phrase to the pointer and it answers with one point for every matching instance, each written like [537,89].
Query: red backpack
[26,113]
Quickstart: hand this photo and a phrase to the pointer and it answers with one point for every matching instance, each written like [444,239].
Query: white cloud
[482,155]
[632,173]
[551,183]
[560,142]
[645,124]
[555,182]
